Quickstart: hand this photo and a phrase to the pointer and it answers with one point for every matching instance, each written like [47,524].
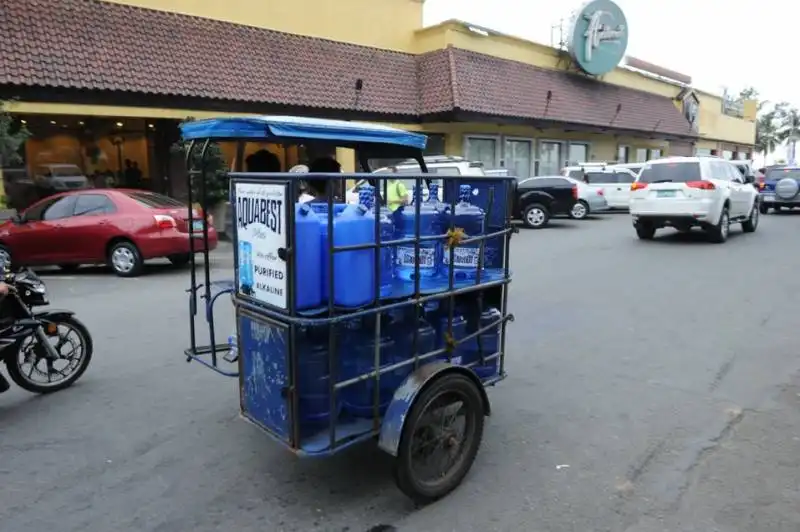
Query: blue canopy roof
[292,127]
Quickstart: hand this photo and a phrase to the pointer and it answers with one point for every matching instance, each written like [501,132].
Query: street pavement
[653,387]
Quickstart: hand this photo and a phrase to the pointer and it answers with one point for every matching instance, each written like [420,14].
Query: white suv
[684,192]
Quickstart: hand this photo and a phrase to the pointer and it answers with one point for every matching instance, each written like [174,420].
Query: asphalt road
[654,386]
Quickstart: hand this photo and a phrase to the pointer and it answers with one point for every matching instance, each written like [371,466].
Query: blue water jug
[313,381]
[402,331]
[321,209]
[387,233]
[428,226]
[459,331]
[470,219]
[308,259]
[489,342]
[354,271]
[358,358]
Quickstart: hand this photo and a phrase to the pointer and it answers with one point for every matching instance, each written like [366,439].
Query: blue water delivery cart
[381,320]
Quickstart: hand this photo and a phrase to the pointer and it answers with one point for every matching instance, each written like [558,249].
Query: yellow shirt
[397,194]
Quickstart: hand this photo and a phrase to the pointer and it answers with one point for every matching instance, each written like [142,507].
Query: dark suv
[780,188]
[537,199]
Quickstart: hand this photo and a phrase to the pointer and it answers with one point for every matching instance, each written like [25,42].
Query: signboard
[598,37]
[732,106]
[261,237]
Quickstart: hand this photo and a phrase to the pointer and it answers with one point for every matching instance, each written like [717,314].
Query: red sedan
[121,228]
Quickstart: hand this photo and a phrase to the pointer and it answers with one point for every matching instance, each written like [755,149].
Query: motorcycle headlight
[38,288]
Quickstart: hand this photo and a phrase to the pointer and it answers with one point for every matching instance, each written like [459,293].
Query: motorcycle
[44,351]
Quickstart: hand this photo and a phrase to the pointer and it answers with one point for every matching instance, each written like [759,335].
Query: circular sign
[598,37]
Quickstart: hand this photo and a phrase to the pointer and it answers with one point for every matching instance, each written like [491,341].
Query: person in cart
[396,193]
[317,188]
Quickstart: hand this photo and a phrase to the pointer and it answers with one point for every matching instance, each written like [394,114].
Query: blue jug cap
[464,192]
[304,209]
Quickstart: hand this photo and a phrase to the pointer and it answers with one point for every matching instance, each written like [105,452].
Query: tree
[12,138]
[766,134]
[216,171]
[789,128]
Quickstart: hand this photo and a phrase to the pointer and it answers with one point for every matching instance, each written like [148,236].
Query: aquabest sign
[598,37]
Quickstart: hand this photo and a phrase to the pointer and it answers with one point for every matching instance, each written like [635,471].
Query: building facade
[102,82]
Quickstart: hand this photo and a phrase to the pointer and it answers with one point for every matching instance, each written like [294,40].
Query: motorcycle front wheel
[32,370]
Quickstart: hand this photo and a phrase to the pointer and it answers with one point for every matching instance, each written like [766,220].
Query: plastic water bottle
[470,219]
[354,271]
[308,259]
[387,233]
[428,225]
[245,267]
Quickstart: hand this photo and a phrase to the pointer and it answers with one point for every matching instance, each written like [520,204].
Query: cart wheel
[440,439]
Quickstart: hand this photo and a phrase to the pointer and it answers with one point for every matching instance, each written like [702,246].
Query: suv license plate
[769,197]
[197,226]
[665,193]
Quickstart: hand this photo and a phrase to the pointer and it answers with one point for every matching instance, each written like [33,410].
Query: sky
[718,43]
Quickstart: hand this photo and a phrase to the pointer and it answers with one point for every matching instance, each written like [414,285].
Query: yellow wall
[713,124]
[380,23]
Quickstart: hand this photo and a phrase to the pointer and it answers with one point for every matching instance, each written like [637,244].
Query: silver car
[590,200]
[60,177]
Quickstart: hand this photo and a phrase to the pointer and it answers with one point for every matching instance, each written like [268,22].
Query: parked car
[537,199]
[436,164]
[684,192]
[590,200]
[780,188]
[59,177]
[614,181]
[121,228]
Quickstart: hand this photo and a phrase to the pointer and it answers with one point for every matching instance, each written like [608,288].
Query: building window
[483,149]
[727,155]
[550,159]
[641,155]
[623,154]
[578,153]
[518,157]
[702,152]
[742,156]
[655,154]
[435,145]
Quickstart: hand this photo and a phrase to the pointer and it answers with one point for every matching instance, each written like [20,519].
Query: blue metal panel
[395,418]
[264,351]
[290,127]
[502,188]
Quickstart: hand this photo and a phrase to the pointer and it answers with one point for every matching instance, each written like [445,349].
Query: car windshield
[780,173]
[678,172]
[155,201]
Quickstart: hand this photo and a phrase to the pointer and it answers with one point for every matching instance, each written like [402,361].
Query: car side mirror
[18,219]
[749,179]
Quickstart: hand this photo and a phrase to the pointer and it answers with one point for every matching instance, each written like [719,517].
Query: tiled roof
[95,45]
[88,44]
[489,85]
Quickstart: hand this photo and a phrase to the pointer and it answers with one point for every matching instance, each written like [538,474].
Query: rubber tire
[15,372]
[715,233]
[69,268]
[645,231]
[777,209]
[763,209]
[537,206]
[403,474]
[180,260]
[585,206]
[751,224]
[138,261]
